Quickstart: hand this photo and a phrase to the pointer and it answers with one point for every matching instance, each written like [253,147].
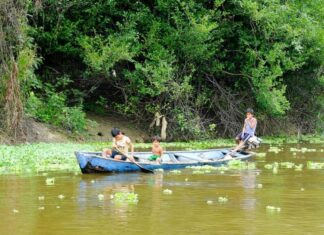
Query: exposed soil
[101,130]
[98,131]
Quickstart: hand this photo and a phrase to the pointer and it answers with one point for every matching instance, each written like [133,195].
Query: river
[258,201]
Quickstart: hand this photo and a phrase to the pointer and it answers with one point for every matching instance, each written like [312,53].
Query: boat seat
[184,158]
[169,157]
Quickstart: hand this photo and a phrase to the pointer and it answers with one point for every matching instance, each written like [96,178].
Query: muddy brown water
[29,206]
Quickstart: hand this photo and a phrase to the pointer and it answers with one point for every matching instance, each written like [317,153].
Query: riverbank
[43,157]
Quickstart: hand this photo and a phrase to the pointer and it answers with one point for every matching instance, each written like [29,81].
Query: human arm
[130,144]
[114,145]
[251,122]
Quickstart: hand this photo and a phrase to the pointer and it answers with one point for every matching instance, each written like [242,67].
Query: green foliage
[191,61]
[53,110]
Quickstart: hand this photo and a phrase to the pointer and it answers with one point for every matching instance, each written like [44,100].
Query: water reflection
[183,212]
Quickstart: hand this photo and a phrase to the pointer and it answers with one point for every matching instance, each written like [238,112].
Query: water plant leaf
[125,197]
[167,191]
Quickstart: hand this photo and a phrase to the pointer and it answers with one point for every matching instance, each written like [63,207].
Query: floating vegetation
[205,167]
[288,165]
[302,150]
[61,196]
[268,166]
[315,165]
[274,149]
[159,170]
[167,191]
[273,209]
[125,197]
[239,165]
[40,158]
[261,154]
[231,165]
[101,197]
[50,181]
[175,172]
[222,199]
[199,172]
[299,167]
[285,165]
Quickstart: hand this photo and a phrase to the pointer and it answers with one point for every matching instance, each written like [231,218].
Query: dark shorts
[243,137]
[114,153]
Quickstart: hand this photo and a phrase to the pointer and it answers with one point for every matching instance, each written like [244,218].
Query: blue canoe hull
[92,162]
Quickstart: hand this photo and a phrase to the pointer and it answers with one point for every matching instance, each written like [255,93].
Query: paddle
[142,168]
[237,148]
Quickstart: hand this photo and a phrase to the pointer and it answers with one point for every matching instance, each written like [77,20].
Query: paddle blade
[146,170]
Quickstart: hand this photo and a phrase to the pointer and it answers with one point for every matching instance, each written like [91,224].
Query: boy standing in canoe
[157,150]
[120,147]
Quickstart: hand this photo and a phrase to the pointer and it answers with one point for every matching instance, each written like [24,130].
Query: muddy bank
[98,130]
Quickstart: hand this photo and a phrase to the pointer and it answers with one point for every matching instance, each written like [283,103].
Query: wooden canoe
[93,162]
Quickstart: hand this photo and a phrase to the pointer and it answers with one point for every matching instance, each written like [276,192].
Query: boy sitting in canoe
[248,131]
[157,150]
[120,147]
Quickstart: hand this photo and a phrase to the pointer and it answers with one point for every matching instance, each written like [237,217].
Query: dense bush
[53,110]
[198,63]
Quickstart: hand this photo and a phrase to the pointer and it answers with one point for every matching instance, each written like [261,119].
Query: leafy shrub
[53,110]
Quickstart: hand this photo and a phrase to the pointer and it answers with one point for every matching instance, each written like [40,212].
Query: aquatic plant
[287,165]
[261,154]
[175,172]
[167,191]
[273,209]
[314,165]
[159,170]
[274,149]
[198,172]
[205,167]
[239,165]
[299,167]
[50,181]
[125,197]
[222,199]
[101,197]
[268,166]
[303,150]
